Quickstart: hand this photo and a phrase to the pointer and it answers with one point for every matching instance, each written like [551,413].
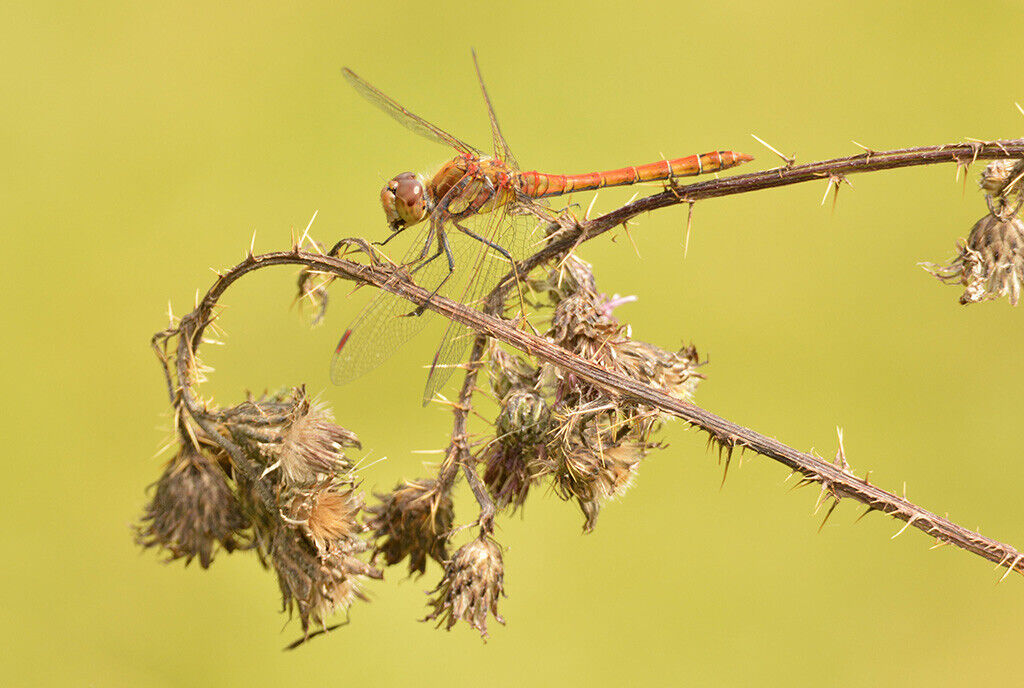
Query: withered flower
[996,175]
[990,265]
[518,456]
[1004,191]
[327,514]
[508,371]
[315,583]
[193,510]
[472,583]
[581,324]
[413,520]
[524,417]
[593,466]
[596,440]
[312,445]
[572,275]
[675,372]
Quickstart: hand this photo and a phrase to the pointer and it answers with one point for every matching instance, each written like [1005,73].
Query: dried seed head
[523,419]
[508,372]
[511,469]
[193,510]
[314,583]
[592,467]
[572,275]
[1004,191]
[991,264]
[995,175]
[472,583]
[312,446]
[327,514]
[674,372]
[595,439]
[582,324]
[517,457]
[414,521]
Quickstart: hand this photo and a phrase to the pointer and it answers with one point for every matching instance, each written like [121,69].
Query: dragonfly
[475,216]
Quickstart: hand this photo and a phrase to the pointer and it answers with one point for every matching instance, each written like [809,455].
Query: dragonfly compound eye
[404,200]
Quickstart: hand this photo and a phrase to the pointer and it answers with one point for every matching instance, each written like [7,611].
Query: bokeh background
[145,143]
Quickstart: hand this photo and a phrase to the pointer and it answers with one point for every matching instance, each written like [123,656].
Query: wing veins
[404,116]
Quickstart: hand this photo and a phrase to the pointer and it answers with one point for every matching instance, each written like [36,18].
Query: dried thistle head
[312,537]
[508,371]
[595,461]
[293,434]
[517,457]
[194,511]
[584,324]
[674,372]
[570,276]
[311,445]
[595,440]
[327,514]
[523,418]
[472,584]
[991,264]
[1002,183]
[995,175]
[318,583]
[414,521]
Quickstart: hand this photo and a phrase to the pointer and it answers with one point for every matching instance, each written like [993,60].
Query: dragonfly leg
[496,247]
[425,262]
[435,229]
[443,247]
[505,254]
[391,236]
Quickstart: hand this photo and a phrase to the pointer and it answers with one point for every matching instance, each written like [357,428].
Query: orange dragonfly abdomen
[539,185]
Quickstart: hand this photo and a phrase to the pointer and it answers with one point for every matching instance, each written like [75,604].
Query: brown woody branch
[962,154]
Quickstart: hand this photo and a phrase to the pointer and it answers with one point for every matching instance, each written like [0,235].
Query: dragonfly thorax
[405,201]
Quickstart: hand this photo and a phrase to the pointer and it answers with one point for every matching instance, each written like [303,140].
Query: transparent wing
[507,228]
[385,324]
[405,117]
[501,149]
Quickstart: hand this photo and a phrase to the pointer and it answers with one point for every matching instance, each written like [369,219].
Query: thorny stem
[962,154]
[241,462]
[483,499]
[189,331]
[458,450]
[836,479]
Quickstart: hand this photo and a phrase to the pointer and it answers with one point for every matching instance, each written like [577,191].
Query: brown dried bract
[312,445]
[990,265]
[317,584]
[472,584]
[328,515]
[193,511]
[414,521]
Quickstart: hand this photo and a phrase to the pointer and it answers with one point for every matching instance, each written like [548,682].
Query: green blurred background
[144,143]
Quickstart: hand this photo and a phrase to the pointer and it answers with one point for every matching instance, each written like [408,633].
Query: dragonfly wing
[385,323]
[405,117]
[506,229]
[501,149]
[377,333]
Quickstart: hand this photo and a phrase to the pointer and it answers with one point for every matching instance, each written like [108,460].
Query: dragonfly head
[405,201]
